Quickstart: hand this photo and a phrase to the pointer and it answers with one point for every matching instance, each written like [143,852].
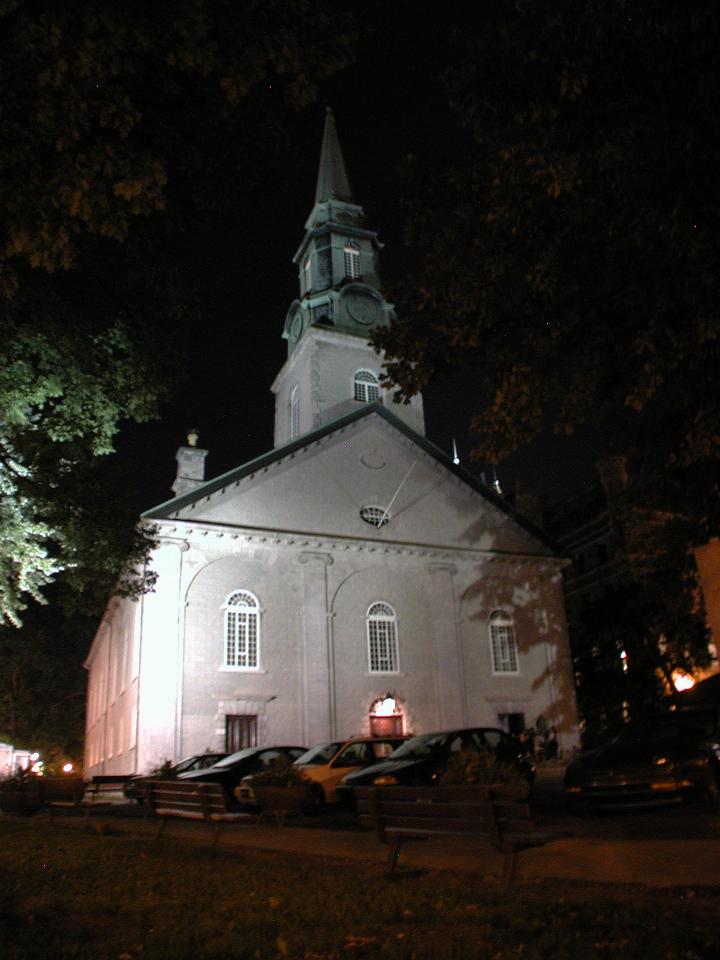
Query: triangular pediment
[332,481]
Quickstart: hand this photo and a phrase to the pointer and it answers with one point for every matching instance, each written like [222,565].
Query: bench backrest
[62,789]
[186,797]
[474,811]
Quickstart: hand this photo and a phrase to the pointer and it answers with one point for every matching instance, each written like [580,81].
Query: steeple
[331,366]
[337,259]
[332,181]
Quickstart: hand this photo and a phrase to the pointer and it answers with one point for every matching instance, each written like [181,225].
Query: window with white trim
[366,387]
[242,631]
[503,646]
[351,253]
[295,412]
[382,639]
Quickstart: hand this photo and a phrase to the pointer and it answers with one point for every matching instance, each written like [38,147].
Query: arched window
[352,260]
[366,387]
[242,631]
[295,412]
[382,639]
[502,642]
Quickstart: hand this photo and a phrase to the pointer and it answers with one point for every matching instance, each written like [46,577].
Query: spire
[332,181]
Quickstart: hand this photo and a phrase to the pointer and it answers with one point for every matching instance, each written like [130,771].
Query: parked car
[422,760]
[327,764]
[134,787]
[230,771]
[660,760]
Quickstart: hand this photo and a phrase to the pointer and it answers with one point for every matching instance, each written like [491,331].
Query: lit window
[382,638]
[242,631]
[502,642]
[366,387]
[352,260]
[294,412]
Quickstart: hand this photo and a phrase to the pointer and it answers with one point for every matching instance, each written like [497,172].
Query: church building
[352,580]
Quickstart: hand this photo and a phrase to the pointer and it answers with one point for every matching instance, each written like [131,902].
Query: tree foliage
[568,251]
[117,122]
[567,254]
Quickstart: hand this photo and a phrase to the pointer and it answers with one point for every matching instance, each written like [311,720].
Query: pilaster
[452,708]
[318,694]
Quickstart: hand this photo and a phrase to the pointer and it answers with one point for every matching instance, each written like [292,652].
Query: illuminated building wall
[352,564]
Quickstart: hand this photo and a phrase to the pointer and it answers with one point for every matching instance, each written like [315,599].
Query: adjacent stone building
[351,580]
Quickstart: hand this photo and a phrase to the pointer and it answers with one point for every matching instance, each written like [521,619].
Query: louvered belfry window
[352,260]
[295,412]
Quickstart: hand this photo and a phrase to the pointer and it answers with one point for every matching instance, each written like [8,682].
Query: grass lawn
[65,892]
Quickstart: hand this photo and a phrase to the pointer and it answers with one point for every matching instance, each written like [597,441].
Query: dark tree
[567,253]
[118,121]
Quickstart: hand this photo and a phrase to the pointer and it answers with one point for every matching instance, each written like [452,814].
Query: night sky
[387,106]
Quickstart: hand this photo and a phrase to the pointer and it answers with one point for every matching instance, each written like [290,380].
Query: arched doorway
[386,717]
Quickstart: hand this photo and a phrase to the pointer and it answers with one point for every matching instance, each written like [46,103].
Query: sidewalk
[668,862]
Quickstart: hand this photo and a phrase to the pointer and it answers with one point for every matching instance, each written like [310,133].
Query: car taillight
[387,780]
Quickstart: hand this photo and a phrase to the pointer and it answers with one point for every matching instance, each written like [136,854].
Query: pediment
[343,480]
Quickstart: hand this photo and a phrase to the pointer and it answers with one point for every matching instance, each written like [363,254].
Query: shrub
[482,767]
[283,773]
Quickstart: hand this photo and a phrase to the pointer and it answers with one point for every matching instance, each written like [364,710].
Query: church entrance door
[240,732]
[386,718]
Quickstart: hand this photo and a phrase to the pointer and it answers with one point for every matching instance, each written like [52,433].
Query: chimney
[191,465]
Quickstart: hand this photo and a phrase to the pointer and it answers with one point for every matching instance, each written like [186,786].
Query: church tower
[331,368]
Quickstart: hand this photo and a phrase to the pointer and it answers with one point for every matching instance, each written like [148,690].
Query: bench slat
[192,800]
[464,811]
[401,814]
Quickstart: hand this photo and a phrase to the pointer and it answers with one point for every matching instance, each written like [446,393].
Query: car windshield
[319,755]
[236,757]
[426,746]
[187,764]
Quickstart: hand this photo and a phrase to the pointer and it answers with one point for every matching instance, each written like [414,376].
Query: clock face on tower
[362,308]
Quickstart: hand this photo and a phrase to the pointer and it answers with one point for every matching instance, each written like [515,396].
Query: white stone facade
[290,533]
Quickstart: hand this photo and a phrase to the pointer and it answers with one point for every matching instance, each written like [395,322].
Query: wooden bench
[67,793]
[402,814]
[192,801]
[104,792]
[62,793]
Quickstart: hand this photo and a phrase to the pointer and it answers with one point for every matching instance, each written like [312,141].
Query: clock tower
[331,368]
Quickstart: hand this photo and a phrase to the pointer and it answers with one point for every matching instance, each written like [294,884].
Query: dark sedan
[422,760]
[660,760]
[134,788]
[230,771]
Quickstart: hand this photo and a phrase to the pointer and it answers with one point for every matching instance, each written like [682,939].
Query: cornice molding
[202,531]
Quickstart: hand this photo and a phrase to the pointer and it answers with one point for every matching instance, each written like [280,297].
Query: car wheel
[315,802]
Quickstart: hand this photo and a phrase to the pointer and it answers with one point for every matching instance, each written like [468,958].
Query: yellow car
[327,764]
